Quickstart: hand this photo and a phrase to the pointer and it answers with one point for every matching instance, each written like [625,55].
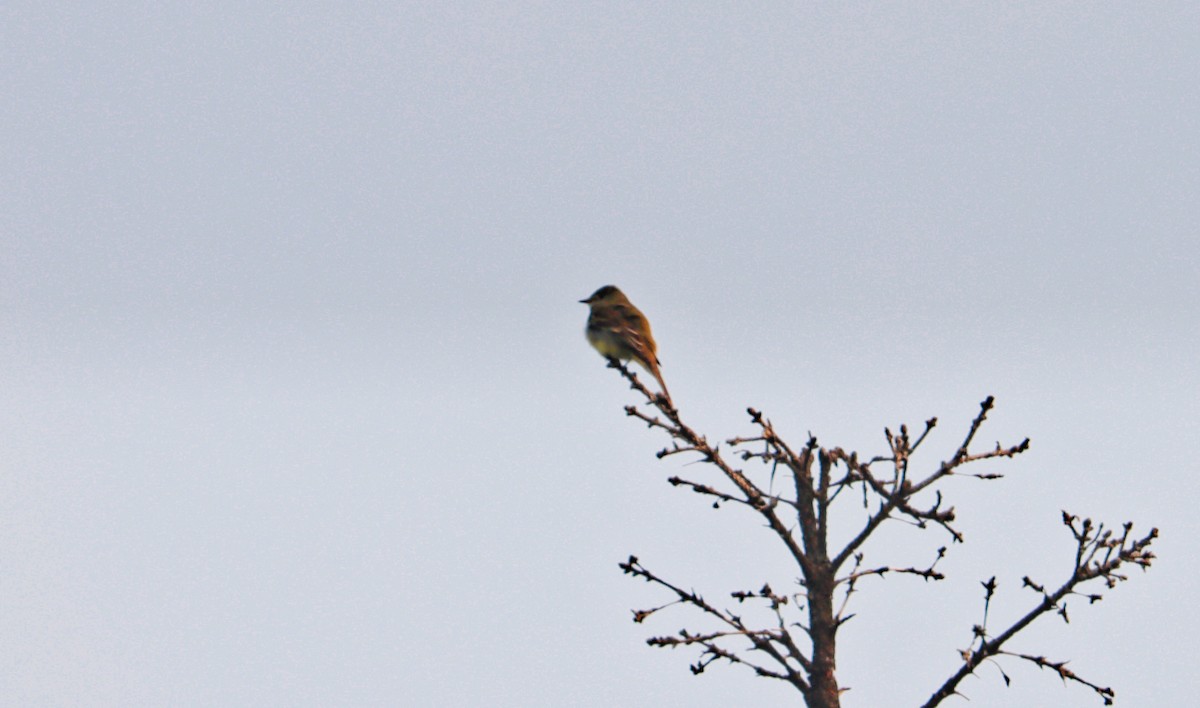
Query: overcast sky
[297,410]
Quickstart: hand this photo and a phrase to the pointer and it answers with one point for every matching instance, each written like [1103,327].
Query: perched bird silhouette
[618,330]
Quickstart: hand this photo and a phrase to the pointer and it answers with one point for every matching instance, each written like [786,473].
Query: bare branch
[764,640]
[889,484]
[1090,540]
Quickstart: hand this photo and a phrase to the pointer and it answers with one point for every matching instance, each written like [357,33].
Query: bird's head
[607,295]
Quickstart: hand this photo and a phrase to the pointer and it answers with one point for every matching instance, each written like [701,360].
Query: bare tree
[889,489]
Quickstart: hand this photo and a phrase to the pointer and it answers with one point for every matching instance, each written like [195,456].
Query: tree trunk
[824,691]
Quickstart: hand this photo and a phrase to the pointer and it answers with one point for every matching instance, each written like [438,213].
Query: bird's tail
[652,366]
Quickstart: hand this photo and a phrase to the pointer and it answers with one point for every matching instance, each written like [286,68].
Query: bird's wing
[633,328]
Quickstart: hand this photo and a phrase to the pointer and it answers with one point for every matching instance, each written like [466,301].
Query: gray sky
[297,408]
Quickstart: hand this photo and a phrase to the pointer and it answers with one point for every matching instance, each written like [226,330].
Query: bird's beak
[587,301]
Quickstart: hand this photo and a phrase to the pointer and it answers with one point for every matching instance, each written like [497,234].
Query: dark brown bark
[823,627]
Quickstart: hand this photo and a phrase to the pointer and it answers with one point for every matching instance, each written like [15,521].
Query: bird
[618,330]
